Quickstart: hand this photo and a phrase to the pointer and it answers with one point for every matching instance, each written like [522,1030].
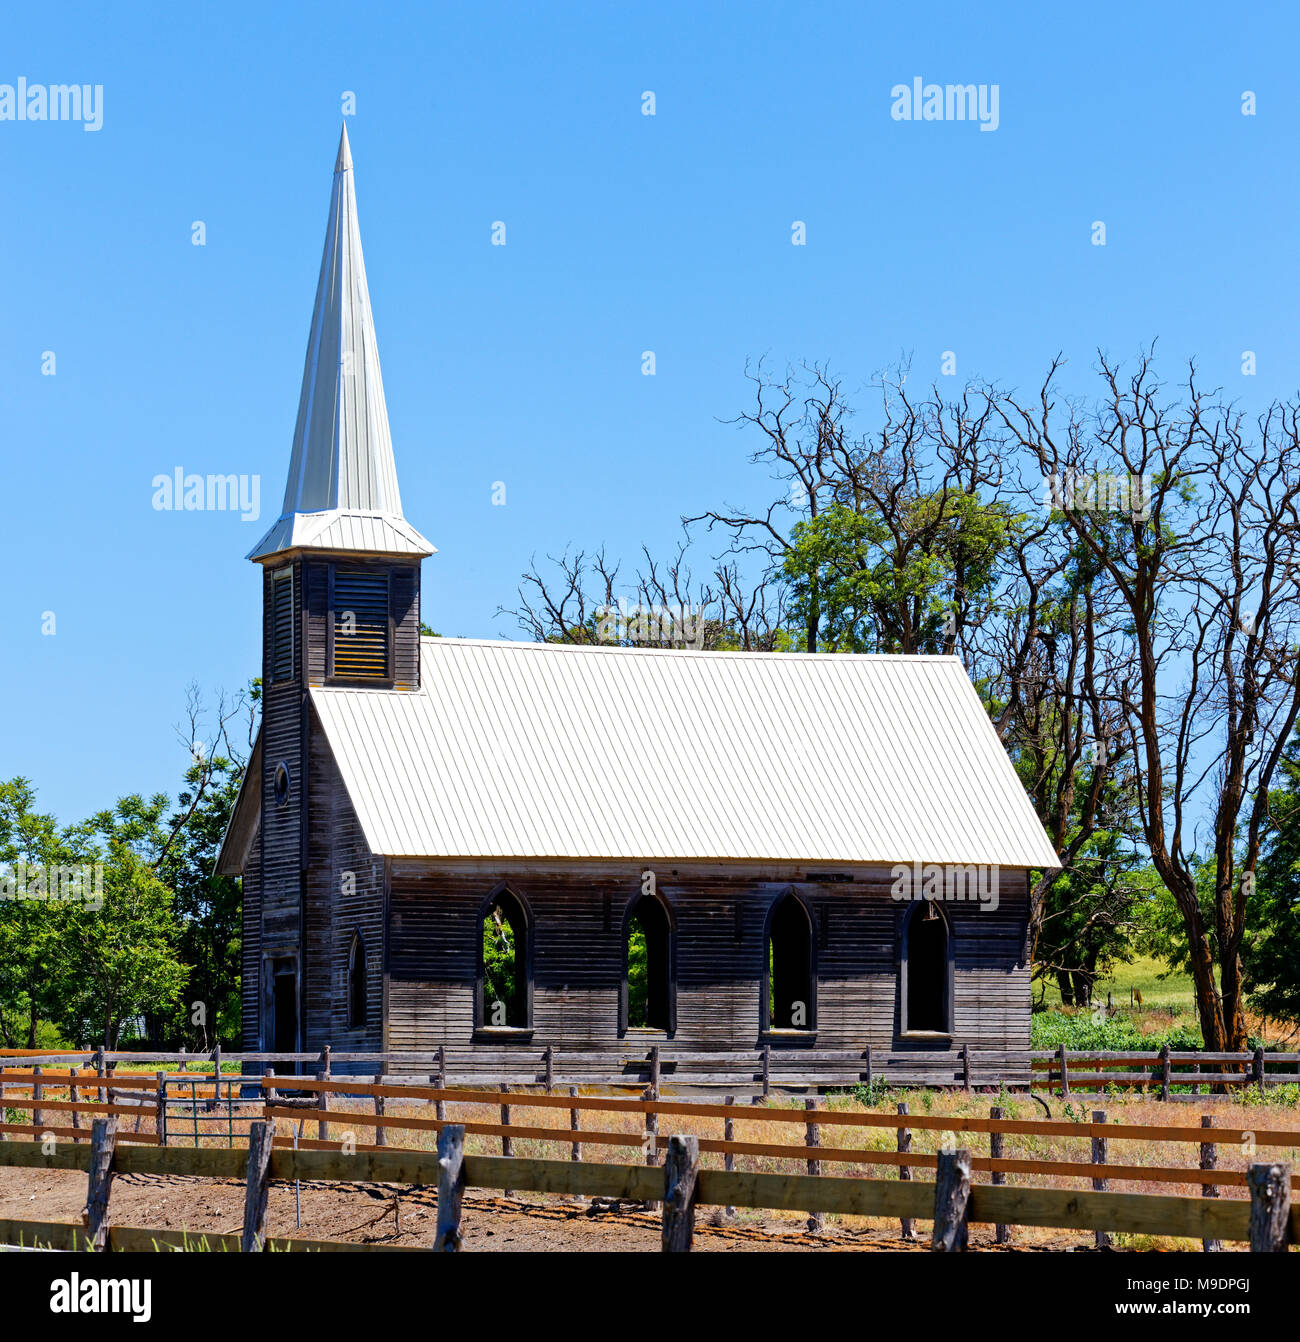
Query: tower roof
[342,489]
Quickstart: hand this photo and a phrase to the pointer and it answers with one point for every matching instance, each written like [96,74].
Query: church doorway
[284,1006]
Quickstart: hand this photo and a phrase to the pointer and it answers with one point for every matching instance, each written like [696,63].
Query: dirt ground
[368,1214]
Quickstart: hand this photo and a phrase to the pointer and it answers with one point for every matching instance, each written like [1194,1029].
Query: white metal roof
[546,750]
[342,460]
[337,530]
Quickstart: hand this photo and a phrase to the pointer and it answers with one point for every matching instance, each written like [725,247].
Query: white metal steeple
[342,489]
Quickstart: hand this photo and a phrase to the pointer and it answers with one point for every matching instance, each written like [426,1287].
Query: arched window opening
[925,953]
[356,982]
[790,1002]
[505,976]
[649,977]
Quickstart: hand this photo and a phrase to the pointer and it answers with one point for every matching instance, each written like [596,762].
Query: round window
[281,784]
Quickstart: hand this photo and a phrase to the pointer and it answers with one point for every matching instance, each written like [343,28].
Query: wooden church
[492,845]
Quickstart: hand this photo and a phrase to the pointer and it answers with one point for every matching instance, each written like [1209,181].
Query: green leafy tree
[1271,952]
[180,841]
[1089,916]
[31,929]
[501,979]
[891,574]
[638,975]
[119,961]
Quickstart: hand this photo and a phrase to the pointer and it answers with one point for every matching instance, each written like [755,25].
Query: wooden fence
[761,1070]
[36,1092]
[1169,1074]
[952,1202]
[1070,1071]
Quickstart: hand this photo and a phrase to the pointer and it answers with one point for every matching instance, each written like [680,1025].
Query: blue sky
[624,233]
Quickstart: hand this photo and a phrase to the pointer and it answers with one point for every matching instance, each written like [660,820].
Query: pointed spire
[342,488]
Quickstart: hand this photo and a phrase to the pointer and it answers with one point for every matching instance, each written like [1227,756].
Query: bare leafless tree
[571,601]
[207,755]
[1205,571]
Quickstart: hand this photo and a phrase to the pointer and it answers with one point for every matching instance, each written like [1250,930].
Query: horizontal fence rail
[1268,1221]
[762,1069]
[1172,1074]
[1067,1071]
[317,1100]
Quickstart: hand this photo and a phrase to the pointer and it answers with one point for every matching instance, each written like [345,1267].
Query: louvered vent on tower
[282,625]
[360,625]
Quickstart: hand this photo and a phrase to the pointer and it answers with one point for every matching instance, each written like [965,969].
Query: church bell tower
[340,585]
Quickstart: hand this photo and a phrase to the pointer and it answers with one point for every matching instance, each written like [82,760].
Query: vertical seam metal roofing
[342,468]
[559,751]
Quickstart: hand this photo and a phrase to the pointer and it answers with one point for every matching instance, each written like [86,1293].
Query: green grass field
[1172,993]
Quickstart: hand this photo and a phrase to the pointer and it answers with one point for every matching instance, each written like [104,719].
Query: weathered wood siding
[250,949]
[404,605]
[344,895]
[282,827]
[294,895]
[720,916]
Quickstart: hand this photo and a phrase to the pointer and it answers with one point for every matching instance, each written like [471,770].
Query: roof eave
[245,818]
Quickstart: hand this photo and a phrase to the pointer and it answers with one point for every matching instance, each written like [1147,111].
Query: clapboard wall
[281,843]
[250,949]
[720,915]
[344,896]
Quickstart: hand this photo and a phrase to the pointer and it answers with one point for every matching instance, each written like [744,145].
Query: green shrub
[1115,1033]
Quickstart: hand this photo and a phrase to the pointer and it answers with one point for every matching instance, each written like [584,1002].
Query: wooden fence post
[681,1168]
[575,1151]
[965,1066]
[507,1143]
[951,1202]
[767,1070]
[268,1086]
[651,1092]
[1257,1069]
[38,1094]
[652,1120]
[451,1187]
[74,1097]
[1065,1069]
[323,1074]
[550,1067]
[160,1108]
[1270,1207]
[1101,1185]
[1210,1161]
[101,1071]
[813,1138]
[1001,1233]
[216,1075]
[103,1139]
[1166,1070]
[440,1105]
[381,1132]
[729,1158]
[866,1054]
[905,1173]
[261,1134]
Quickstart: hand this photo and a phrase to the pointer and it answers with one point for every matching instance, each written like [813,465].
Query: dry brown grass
[755,1124]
